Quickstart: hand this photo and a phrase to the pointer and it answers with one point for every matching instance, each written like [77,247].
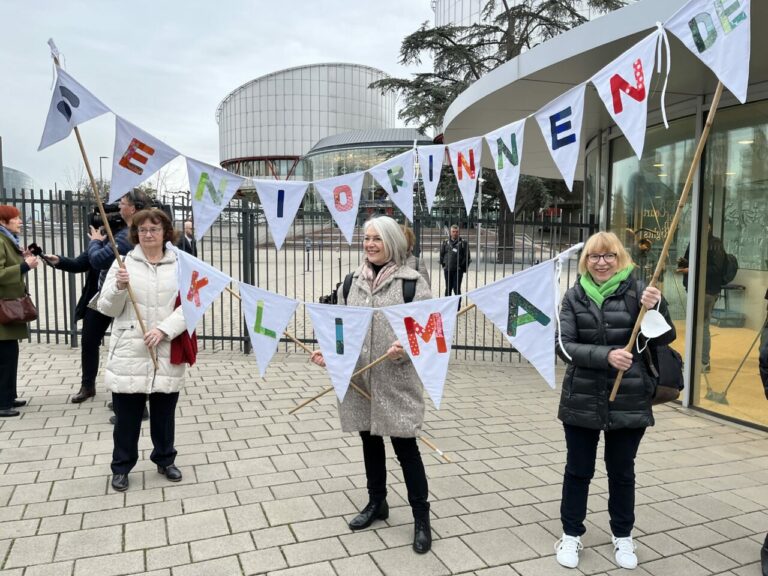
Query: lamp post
[101,180]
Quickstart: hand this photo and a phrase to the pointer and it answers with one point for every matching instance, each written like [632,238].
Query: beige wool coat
[397,405]
[155,287]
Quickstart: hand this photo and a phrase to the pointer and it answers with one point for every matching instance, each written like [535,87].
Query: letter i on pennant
[257,326]
[194,288]
[339,336]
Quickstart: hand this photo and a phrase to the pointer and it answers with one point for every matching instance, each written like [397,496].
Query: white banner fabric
[718,33]
[211,189]
[199,285]
[425,329]
[624,86]
[560,123]
[506,145]
[71,105]
[396,177]
[430,166]
[340,331]
[137,156]
[341,195]
[467,166]
[523,306]
[266,315]
[280,200]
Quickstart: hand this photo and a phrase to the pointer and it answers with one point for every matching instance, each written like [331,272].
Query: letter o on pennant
[348,201]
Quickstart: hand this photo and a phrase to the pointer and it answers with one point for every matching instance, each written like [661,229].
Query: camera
[112,212]
[35,249]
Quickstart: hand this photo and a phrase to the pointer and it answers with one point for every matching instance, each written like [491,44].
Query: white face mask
[654,324]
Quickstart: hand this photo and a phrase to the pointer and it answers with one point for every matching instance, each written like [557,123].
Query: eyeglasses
[609,257]
[154,231]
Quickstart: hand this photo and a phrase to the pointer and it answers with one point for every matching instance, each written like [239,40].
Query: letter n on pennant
[618,85]
[205,184]
[416,331]
[464,165]
[515,319]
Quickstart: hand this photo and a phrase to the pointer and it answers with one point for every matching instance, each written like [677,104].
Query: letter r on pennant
[416,331]
[194,288]
[133,157]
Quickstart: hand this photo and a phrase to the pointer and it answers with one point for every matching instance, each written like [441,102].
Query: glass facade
[17,180]
[277,118]
[468,12]
[733,195]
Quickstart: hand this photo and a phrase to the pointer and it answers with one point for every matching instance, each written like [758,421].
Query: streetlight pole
[101,180]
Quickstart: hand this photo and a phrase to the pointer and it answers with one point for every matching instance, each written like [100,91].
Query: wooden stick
[111,237]
[673,226]
[442,454]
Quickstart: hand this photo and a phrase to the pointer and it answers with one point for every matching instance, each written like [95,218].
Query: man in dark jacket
[455,259]
[187,241]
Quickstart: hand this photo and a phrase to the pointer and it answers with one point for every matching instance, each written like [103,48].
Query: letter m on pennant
[416,331]
[532,314]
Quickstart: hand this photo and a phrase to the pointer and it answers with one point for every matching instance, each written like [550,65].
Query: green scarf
[599,292]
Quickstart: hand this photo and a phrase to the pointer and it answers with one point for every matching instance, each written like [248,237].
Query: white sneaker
[568,548]
[624,549]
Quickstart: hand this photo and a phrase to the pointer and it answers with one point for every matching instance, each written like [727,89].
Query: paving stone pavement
[265,492]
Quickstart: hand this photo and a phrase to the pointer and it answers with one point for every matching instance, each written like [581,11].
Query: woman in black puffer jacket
[596,321]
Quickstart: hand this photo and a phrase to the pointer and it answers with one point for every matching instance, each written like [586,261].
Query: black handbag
[17,310]
[666,366]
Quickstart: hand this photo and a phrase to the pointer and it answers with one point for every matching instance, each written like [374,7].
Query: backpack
[730,268]
[409,288]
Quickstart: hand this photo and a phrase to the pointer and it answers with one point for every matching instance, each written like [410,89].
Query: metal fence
[314,259]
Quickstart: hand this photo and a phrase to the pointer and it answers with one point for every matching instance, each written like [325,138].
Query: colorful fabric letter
[341,195]
[430,166]
[211,190]
[506,145]
[467,165]
[280,201]
[396,177]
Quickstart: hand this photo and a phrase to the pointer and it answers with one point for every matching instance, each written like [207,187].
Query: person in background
[597,317]
[397,406]
[455,259]
[15,262]
[131,375]
[188,242]
[411,260]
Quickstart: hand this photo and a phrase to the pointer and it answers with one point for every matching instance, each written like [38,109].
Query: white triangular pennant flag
[431,166]
[199,285]
[396,177]
[425,329]
[280,200]
[340,331]
[560,123]
[71,105]
[624,86]
[467,167]
[506,145]
[266,315]
[137,156]
[211,189]
[523,306]
[341,195]
[718,33]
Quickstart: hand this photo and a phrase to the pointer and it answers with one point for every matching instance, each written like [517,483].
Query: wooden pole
[673,227]
[107,227]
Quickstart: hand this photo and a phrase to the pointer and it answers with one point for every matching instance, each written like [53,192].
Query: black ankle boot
[422,536]
[372,511]
[764,556]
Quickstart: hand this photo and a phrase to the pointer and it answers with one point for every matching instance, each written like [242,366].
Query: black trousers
[407,451]
[9,369]
[453,280]
[162,429]
[95,325]
[620,451]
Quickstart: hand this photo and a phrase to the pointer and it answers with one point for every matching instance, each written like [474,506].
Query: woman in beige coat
[397,405]
[131,375]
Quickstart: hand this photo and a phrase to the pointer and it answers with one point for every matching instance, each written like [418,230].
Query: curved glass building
[17,180]
[268,124]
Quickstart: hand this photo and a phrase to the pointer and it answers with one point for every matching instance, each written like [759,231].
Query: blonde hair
[410,238]
[600,243]
[395,245]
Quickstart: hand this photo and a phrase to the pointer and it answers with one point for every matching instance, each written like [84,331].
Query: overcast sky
[165,66]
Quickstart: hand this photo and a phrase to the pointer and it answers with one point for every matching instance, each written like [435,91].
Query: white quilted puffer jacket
[155,287]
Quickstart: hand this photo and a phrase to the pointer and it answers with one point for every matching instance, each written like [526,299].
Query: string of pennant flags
[523,306]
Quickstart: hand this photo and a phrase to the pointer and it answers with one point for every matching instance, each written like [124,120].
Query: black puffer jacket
[589,333]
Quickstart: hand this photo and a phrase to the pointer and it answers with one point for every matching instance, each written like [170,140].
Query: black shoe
[120,482]
[109,405]
[19,403]
[764,556]
[372,511]
[8,412]
[422,537]
[171,472]
[83,394]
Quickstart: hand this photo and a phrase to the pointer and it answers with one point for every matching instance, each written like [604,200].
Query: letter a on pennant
[515,319]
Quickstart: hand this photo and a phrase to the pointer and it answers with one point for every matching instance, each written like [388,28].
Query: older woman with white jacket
[131,374]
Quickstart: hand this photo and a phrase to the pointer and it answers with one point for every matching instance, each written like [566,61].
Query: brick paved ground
[266,492]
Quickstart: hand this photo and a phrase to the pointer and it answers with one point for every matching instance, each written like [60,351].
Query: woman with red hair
[14,264]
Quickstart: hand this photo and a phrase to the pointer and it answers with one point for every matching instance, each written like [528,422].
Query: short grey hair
[395,244]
